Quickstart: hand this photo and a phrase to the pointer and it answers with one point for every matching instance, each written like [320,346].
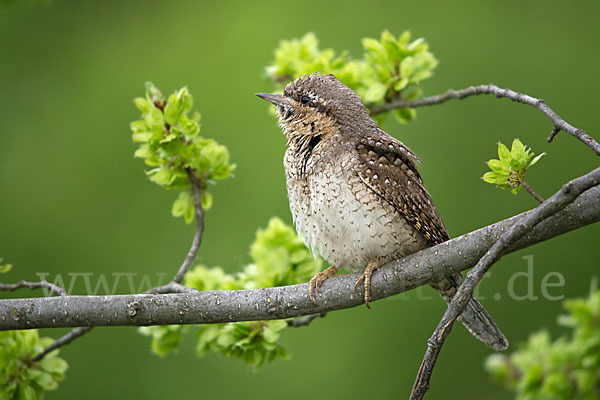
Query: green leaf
[405,115]
[153,92]
[190,214]
[517,151]
[170,137]
[27,392]
[162,176]
[154,118]
[498,166]
[269,335]
[142,136]
[143,104]
[5,268]
[373,45]
[536,159]
[401,85]
[407,66]
[375,92]
[139,126]
[54,365]
[504,153]
[43,379]
[494,177]
[143,151]
[172,113]
[181,204]
[207,200]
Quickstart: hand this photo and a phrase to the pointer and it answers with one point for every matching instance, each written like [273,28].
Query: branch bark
[559,124]
[207,307]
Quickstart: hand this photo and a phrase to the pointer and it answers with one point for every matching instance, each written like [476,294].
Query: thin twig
[187,263]
[63,340]
[304,321]
[559,123]
[34,285]
[553,133]
[532,192]
[171,287]
[174,286]
[566,195]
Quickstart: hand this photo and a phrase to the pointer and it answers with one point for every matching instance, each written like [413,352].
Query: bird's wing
[389,169]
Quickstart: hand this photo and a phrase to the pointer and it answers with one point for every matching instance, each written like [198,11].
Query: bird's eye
[304,100]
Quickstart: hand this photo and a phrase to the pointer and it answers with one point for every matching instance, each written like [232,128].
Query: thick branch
[559,123]
[565,196]
[206,307]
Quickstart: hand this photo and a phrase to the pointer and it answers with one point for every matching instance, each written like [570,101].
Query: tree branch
[187,263]
[34,285]
[429,265]
[532,192]
[61,341]
[559,123]
[304,321]
[171,287]
[565,196]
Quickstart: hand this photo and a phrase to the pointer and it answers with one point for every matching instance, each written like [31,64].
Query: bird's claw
[366,277]
[316,282]
[371,267]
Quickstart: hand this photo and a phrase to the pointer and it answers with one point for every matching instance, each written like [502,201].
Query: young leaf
[509,171]
[5,268]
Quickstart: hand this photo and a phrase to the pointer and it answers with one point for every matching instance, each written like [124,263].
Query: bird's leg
[372,265]
[317,280]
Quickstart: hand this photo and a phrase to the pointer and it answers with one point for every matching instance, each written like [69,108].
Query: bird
[355,193]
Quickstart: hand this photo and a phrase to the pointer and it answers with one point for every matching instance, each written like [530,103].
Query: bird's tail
[474,317]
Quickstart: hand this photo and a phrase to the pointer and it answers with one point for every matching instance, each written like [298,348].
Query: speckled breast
[339,216]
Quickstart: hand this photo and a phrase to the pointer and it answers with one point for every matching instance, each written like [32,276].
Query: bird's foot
[317,280]
[371,267]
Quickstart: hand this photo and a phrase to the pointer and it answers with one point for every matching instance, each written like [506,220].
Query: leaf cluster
[279,258]
[169,142]
[566,368]
[390,68]
[509,171]
[20,376]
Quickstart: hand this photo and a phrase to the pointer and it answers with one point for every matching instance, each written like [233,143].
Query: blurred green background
[74,200]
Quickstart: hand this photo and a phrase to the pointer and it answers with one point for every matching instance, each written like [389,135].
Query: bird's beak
[276,99]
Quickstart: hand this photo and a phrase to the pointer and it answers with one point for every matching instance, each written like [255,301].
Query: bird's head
[317,99]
